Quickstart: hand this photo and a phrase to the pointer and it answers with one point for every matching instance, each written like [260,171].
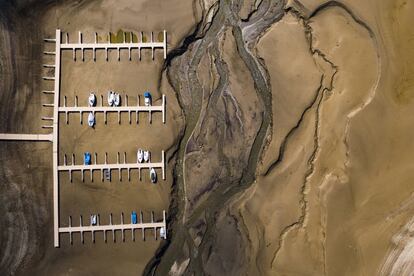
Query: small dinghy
[153,175]
[147,155]
[91,119]
[92,99]
[140,155]
[111,98]
[117,99]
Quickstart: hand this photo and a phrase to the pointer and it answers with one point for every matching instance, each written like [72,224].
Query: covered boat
[147,155]
[140,155]
[91,119]
[92,99]
[153,175]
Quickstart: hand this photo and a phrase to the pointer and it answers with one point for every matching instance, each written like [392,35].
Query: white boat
[92,99]
[147,155]
[117,99]
[140,156]
[94,219]
[153,175]
[163,233]
[111,98]
[91,119]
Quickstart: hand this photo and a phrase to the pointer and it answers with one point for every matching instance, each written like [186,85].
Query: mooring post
[122,230]
[81,231]
[155,228]
[70,233]
[165,44]
[143,229]
[163,108]
[163,164]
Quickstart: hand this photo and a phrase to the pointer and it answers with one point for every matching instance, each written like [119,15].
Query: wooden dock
[114,109]
[116,166]
[82,229]
[130,46]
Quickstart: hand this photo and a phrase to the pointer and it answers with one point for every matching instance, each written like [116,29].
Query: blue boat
[134,219]
[87,158]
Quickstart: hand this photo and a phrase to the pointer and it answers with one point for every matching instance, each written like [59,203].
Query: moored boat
[147,155]
[91,119]
[147,99]
[87,158]
[140,155]
[117,99]
[94,219]
[153,175]
[91,99]
[134,217]
[163,233]
[111,98]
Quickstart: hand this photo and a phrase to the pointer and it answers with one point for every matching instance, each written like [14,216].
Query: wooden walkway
[27,137]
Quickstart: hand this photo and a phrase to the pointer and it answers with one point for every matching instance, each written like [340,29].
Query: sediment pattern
[284,142]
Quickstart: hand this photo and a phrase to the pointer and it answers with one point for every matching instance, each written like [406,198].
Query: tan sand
[300,80]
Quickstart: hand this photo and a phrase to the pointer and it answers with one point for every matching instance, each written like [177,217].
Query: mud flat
[288,135]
